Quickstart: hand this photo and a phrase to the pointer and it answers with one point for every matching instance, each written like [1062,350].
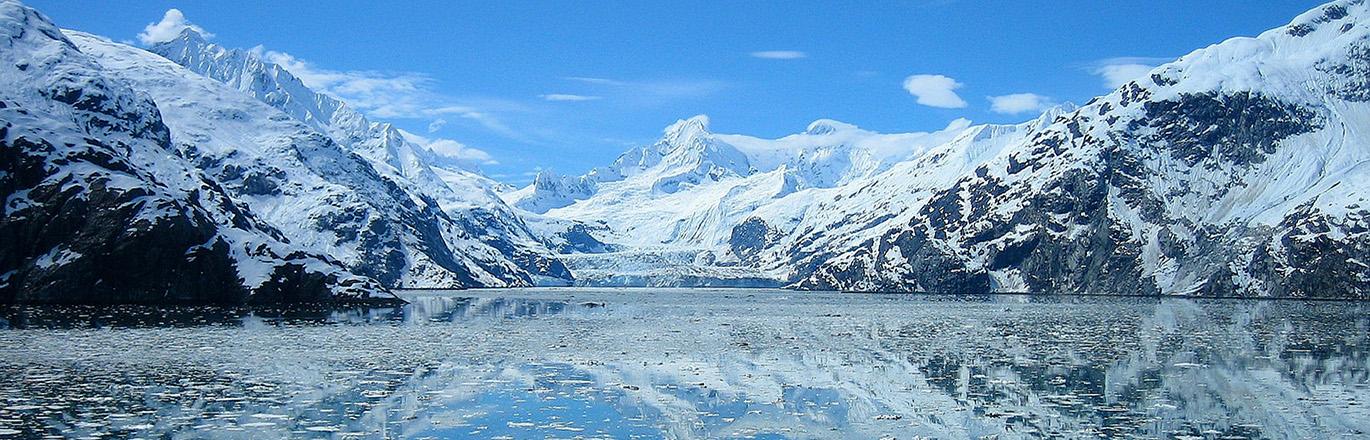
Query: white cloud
[172,24]
[454,151]
[390,93]
[1019,103]
[436,125]
[780,54]
[935,90]
[1118,71]
[460,152]
[387,95]
[567,97]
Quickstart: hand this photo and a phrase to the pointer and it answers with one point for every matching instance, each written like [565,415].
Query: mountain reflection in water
[703,363]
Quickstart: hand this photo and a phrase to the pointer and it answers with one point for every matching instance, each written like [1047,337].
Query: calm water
[577,363]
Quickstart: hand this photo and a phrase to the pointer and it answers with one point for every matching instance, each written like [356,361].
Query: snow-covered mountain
[100,206]
[1236,170]
[271,176]
[664,214]
[489,243]
[391,149]
[1239,169]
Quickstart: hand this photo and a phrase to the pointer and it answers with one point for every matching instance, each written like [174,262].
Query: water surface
[661,363]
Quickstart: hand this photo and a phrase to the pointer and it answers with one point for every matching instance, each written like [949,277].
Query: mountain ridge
[1234,170]
[507,249]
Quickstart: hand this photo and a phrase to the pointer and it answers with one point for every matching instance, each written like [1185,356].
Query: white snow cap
[827,126]
[172,25]
[687,128]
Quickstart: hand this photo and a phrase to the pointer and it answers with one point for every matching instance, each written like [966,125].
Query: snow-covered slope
[827,154]
[691,187]
[1236,170]
[100,208]
[678,212]
[382,143]
[483,233]
[1239,169]
[794,236]
[316,193]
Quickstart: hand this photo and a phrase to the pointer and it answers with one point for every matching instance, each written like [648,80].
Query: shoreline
[888,293]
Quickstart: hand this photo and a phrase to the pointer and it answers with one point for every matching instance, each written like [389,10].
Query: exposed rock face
[750,237]
[578,238]
[69,243]
[99,210]
[1241,128]
[1118,198]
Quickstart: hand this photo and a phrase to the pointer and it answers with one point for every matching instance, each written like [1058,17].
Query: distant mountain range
[189,172]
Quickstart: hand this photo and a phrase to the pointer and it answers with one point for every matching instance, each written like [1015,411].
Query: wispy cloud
[935,90]
[593,80]
[652,90]
[1118,71]
[389,95]
[780,54]
[517,176]
[1019,103]
[567,97]
[172,24]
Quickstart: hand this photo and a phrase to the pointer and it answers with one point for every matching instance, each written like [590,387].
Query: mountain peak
[15,18]
[828,126]
[686,129]
[190,36]
[1309,21]
[545,177]
[188,41]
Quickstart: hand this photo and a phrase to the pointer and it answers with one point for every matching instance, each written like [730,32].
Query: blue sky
[569,85]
